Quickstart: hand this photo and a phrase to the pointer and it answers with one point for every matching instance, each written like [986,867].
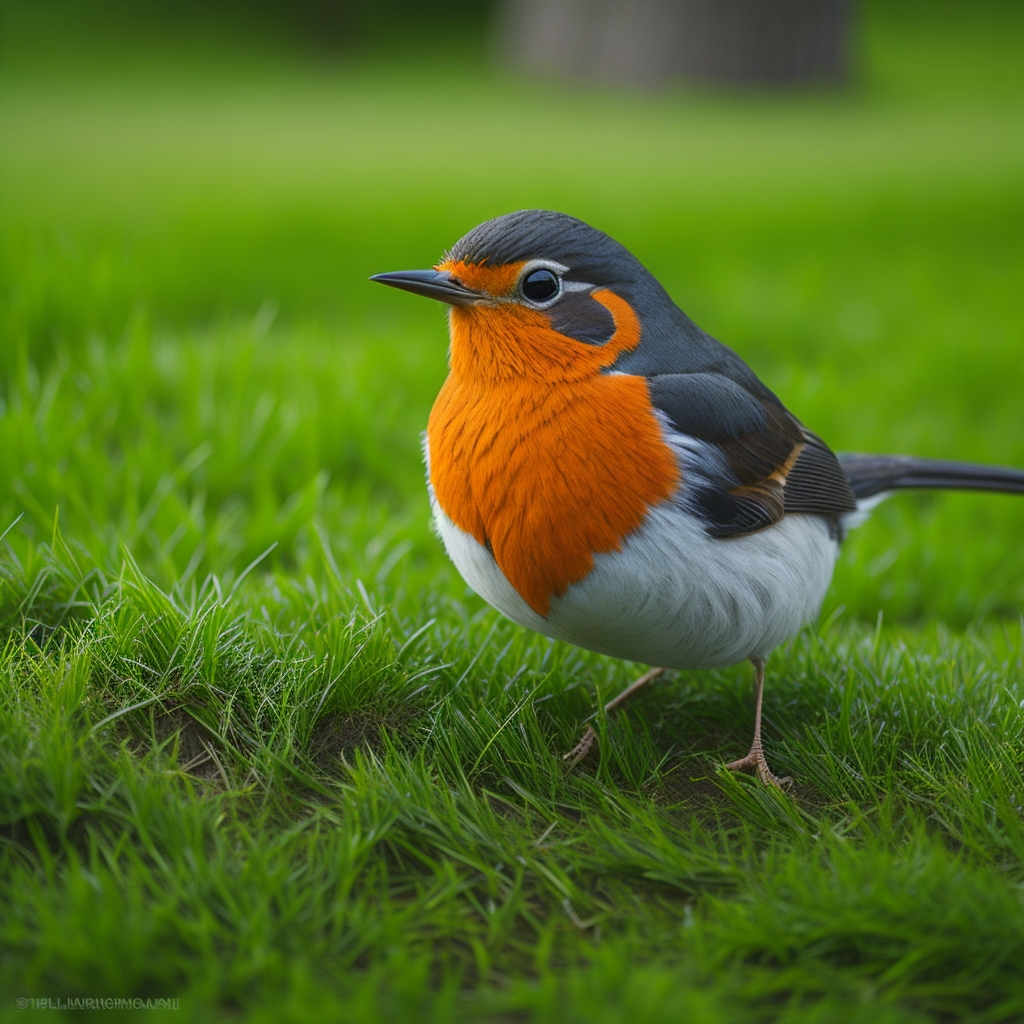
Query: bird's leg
[589,738]
[756,759]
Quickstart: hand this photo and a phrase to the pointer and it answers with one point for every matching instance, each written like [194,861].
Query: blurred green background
[192,196]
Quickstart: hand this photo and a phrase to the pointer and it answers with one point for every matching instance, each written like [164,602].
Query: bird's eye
[540,285]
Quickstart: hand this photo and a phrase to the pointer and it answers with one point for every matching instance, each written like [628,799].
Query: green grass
[260,748]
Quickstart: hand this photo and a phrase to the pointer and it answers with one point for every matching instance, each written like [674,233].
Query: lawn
[263,753]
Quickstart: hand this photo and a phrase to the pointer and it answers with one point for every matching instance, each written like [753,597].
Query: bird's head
[538,294]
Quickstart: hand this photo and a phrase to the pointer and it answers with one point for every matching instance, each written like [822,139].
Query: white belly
[674,596]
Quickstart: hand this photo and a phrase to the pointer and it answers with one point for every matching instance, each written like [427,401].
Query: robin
[604,472]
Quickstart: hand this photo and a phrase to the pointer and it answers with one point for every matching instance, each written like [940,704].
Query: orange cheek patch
[537,452]
[511,341]
[627,323]
[496,281]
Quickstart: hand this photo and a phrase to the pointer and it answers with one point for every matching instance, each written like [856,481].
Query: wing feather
[758,461]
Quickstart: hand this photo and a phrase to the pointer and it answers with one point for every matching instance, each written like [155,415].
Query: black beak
[434,284]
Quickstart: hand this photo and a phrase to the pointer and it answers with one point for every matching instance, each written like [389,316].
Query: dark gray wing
[758,461]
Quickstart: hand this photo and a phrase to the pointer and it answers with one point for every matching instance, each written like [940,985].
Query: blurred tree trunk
[646,42]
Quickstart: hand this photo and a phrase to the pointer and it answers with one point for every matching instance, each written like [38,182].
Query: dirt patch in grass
[337,734]
[198,750]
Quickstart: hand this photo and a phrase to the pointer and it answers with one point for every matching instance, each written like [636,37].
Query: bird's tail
[874,476]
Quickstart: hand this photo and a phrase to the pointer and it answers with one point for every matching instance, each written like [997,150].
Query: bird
[603,471]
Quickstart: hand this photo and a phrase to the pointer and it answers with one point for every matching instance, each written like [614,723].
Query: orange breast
[536,452]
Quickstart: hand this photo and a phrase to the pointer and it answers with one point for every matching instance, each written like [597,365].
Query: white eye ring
[540,287]
[543,272]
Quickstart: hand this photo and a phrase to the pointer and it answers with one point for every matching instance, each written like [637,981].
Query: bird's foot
[585,745]
[589,738]
[756,760]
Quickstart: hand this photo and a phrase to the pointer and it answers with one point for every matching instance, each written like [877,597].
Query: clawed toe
[756,760]
[589,738]
[585,745]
